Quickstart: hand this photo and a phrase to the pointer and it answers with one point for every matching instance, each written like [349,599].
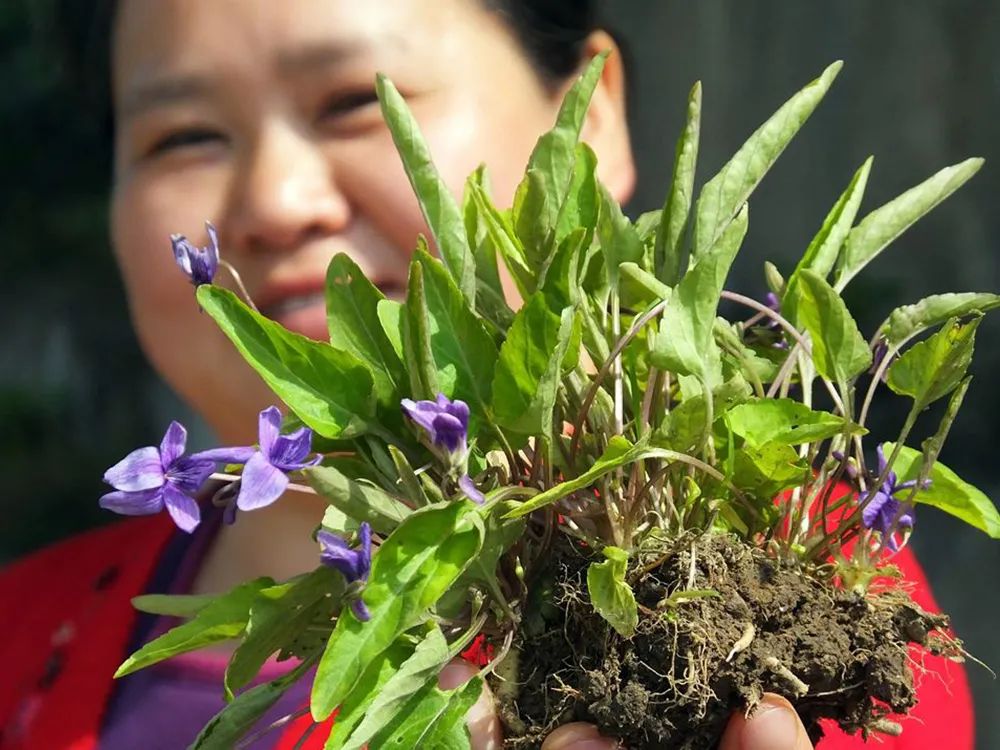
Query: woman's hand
[773,725]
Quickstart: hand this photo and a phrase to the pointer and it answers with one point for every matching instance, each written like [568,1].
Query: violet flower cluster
[354,564]
[881,508]
[150,479]
[446,423]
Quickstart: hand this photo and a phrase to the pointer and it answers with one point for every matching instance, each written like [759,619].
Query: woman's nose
[284,194]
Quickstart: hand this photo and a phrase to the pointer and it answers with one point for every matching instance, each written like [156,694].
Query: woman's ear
[606,126]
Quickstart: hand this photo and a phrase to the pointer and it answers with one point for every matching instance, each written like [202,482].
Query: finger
[773,725]
[578,736]
[482,720]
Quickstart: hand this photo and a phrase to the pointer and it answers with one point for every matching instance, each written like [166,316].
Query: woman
[262,117]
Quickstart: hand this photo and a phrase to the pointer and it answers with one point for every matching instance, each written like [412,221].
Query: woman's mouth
[304,314]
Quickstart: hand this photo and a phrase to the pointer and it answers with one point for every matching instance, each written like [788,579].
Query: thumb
[482,720]
[773,725]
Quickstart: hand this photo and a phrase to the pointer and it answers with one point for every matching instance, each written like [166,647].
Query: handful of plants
[638,513]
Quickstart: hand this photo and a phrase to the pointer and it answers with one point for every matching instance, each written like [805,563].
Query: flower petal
[182,508]
[182,252]
[335,553]
[870,513]
[142,503]
[235,455]
[421,412]
[365,536]
[261,483]
[471,491]
[881,459]
[449,432]
[268,429]
[139,470]
[290,451]
[172,445]
[189,474]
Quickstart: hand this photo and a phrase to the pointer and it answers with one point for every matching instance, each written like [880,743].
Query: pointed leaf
[785,421]
[620,242]
[330,390]
[909,320]
[724,194]
[885,224]
[440,210]
[669,248]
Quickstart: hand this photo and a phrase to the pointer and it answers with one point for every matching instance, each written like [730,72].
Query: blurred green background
[920,90]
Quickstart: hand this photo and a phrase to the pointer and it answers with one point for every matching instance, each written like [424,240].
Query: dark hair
[552,34]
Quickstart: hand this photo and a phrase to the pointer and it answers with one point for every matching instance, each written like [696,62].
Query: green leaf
[684,343]
[580,207]
[505,242]
[413,567]
[823,251]
[390,315]
[722,196]
[885,224]
[172,605]
[433,719]
[359,500]
[278,615]
[408,479]
[539,197]
[330,390]
[416,336]
[931,369]
[443,216]
[769,469]
[225,728]
[352,316]
[947,491]
[640,289]
[611,596]
[839,351]
[463,353]
[414,674]
[669,248]
[620,242]
[785,421]
[528,370]
[352,710]
[490,299]
[910,320]
[225,618]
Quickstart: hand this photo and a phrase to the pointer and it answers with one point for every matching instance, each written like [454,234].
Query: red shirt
[67,620]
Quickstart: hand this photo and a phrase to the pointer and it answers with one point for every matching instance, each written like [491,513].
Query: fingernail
[773,726]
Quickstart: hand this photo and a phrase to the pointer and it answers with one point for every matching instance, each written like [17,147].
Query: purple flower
[446,421]
[150,479]
[471,491]
[199,263]
[354,564]
[881,509]
[265,475]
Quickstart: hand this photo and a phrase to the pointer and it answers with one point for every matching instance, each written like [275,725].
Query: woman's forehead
[194,37]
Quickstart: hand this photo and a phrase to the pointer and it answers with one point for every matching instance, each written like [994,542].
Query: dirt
[753,626]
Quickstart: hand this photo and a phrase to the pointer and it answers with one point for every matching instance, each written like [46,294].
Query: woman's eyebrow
[162,92]
[321,55]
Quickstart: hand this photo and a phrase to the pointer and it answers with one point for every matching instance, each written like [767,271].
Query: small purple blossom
[471,491]
[265,475]
[199,263]
[444,420]
[150,479]
[354,564]
[882,507]
[878,355]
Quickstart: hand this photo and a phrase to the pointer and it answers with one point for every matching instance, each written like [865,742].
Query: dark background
[920,90]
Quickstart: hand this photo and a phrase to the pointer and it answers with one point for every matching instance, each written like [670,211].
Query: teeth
[291,304]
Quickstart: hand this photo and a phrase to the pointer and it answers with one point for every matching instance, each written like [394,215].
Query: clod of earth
[694,660]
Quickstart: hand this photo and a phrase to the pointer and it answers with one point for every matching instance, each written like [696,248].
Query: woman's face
[261,117]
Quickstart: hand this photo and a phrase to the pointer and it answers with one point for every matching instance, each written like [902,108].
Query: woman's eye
[341,105]
[183,138]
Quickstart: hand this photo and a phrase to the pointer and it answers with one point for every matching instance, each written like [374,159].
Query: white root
[744,642]
[781,670]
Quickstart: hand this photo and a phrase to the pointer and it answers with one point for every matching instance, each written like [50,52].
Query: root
[744,642]
[797,685]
